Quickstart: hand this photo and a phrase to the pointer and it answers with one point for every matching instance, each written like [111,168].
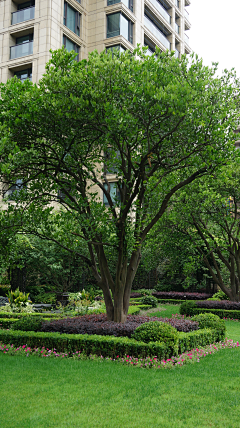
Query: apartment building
[29,29]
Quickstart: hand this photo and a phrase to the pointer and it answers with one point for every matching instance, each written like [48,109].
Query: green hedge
[222,313]
[20,315]
[195,339]
[6,322]
[107,346]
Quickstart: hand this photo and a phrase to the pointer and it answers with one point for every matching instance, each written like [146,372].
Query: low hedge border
[7,322]
[24,314]
[107,346]
[172,301]
[222,313]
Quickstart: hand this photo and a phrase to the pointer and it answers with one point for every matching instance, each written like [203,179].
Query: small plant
[28,323]
[211,321]
[220,295]
[157,331]
[187,308]
[149,300]
[18,298]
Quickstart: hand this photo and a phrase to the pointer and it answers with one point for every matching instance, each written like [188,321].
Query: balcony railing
[177,53]
[177,28]
[161,10]
[20,50]
[157,33]
[23,15]
[186,38]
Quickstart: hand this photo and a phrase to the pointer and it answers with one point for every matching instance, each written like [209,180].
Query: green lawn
[47,393]
[40,392]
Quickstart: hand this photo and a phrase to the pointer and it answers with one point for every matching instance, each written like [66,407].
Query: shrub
[211,321]
[155,331]
[187,308]
[28,324]
[181,295]
[222,313]
[223,304]
[220,295]
[98,324]
[149,300]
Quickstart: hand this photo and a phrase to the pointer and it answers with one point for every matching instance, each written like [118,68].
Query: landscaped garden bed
[223,308]
[175,295]
[98,324]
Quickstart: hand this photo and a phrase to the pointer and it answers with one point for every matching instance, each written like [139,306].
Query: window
[111,158]
[13,191]
[24,74]
[71,19]
[120,48]
[24,46]
[118,24]
[114,193]
[71,46]
[128,3]
[26,5]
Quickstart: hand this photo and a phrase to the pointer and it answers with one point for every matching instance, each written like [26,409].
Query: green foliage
[149,300]
[221,313]
[28,323]
[4,288]
[188,308]
[198,338]
[153,109]
[17,298]
[220,295]
[156,331]
[211,321]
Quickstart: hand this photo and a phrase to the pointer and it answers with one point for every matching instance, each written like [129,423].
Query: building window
[71,46]
[114,193]
[23,47]
[13,191]
[25,11]
[128,3]
[111,159]
[118,24]
[24,74]
[71,19]
[119,48]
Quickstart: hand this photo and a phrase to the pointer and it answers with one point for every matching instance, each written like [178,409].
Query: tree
[209,219]
[159,123]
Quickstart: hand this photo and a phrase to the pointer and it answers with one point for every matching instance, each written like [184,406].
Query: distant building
[29,29]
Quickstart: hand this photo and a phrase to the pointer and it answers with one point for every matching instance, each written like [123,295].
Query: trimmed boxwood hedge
[107,346]
[7,322]
[222,313]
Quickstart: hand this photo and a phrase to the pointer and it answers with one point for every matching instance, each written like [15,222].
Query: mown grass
[43,393]
[65,393]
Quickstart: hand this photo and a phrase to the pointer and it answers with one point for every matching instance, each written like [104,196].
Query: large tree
[210,221]
[158,123]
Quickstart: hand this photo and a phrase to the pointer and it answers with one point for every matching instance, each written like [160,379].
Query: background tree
[210,220]
[162,122]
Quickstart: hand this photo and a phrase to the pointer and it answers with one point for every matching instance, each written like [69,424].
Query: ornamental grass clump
[156,331]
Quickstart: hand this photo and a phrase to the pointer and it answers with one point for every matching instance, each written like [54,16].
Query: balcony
[22,49]
[177,28]
[161,10]
[156,32]
[23,15]
[177,53]
[186,38]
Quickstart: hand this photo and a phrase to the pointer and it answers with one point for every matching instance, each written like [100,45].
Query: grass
[64,393]
[45,393]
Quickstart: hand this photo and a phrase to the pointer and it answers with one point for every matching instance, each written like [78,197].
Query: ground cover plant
[98,324]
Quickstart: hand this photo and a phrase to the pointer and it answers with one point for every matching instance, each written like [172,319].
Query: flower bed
[148,363]
[98,324]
